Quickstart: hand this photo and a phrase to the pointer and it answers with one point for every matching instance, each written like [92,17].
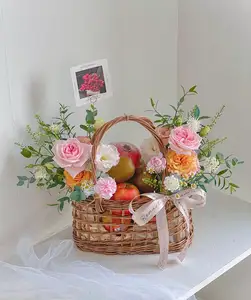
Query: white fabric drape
[56,275]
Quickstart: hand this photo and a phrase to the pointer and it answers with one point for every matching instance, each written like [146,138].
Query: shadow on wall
[24,211]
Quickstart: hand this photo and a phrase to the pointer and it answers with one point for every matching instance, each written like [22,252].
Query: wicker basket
[96,222]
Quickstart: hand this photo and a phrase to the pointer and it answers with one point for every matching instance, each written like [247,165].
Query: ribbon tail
[163,233]
[184,211]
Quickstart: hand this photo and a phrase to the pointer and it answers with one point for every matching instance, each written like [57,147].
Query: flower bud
[204,131]
[178,121]
[98,123]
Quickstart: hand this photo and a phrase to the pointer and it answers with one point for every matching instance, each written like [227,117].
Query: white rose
[107,157]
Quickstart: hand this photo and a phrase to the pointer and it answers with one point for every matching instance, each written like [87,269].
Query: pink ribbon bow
[189,199]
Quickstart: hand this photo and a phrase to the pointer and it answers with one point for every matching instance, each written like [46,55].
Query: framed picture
[91,82]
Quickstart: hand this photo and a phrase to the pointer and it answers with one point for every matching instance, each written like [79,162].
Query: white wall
[39,41]
[214,52]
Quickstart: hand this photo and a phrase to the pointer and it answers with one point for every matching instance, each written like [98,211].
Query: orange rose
[78,180]
[184,165]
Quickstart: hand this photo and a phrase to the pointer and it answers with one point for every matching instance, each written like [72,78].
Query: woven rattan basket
[96,221]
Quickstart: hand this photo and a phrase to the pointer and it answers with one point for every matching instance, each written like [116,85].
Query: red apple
[126,192]
[129,150]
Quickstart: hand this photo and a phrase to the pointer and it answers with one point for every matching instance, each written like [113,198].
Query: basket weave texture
[106,226]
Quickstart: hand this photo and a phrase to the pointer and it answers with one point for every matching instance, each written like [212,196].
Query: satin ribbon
[188,199]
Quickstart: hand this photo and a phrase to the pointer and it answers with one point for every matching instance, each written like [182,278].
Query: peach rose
[77,180]
[163,133]
[71,155]
[181,164]
[183,140]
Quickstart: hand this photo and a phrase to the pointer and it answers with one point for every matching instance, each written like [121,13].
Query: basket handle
[145,122]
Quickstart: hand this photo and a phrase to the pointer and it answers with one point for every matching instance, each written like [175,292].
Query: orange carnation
[78,180]
[184,165]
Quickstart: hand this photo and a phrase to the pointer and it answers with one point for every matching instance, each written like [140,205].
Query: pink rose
[71,155]
[163,133]
[156,164]
[105,187]
[183,140]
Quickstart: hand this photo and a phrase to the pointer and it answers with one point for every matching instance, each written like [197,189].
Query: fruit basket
[105,226]
[125,199]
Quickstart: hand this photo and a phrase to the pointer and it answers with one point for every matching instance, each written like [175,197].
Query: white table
[222,240]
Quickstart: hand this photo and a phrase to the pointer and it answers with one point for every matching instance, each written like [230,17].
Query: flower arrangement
[62,160]
[92,82]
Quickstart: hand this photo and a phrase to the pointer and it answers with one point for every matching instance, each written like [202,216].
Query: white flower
[55,128]
[211,165]
[194,124]
[40,173]
[149,148]
[107,157]
[172,183]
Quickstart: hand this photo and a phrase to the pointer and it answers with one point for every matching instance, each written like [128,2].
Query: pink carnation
[183,140]
[156,164]
[71,155]
[105,187]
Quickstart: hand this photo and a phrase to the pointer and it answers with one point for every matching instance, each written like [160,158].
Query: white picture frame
[91,82]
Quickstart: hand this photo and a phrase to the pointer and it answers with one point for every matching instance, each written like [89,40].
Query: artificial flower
[184,165]
[71,155]
[183,140]
[163,133]
[40,173]
[77,180]
[105,187]
[194,124]
[172,183]
[211,165]
[156,164]
[107,157]
[149,148]
[98,123]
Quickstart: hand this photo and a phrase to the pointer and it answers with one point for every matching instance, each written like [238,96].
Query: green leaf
[61,206]
[31,148]
[89,117]
[26,153]
[32,180]
[20,183]
[49,166]
[193,89]
[173,107]
[224,184]
[52,185]
[22,178]
[158,121]
[203,187]
[219,181]
[228,164]
[222,172]
[240,162]
[47,160]
[52,204]
[62,185]
[30,166]
[152,102]
[234,161]
[234,185]
[196,112]
[219,156]
[204,117]
[76,196]
[65,198]
[84,127]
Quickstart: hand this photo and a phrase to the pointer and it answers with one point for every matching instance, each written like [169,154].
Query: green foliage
[90,120]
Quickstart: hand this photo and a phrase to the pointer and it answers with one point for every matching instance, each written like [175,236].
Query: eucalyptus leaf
[23,178]
[196,112]
[20,183]
[32,180]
